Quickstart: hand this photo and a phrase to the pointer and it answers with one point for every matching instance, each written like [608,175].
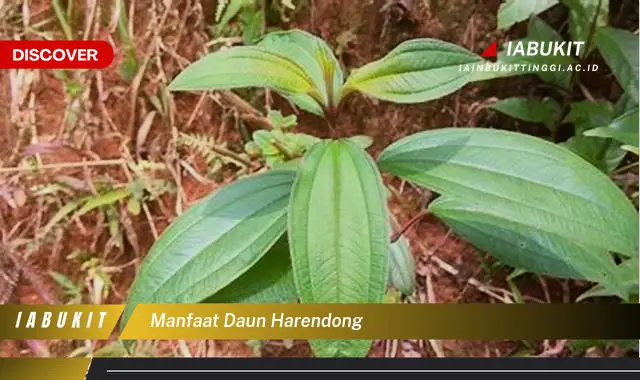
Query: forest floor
[94,131]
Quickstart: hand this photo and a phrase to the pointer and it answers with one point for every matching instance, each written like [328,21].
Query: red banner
[71,55]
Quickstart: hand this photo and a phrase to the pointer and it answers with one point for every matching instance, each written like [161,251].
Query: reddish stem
[396,235]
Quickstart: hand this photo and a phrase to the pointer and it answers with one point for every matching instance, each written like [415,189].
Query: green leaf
[599,152]
[415,71]
[133,206]
[505,67]
[362,140]
[581,16]
[546,111]
[63,212]
[625,103]
[129,66]
[280,121]
[524,242]
[538,30]
[253,23]
[623,128]
[608,132]
[242,67]
[214,242]
[110,197]
[627,274]
[227,10]
[523,179]
[402,267]
[64,281]
[315,57]
[268,281]
[587,115]
[619,48]
[278,146]
[514,11]
[339,233]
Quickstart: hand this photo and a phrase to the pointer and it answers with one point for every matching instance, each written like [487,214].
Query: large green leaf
[268,281]
[244,66]
[514,11]
[295,63]
[526,244]
[214,242]
[546,111]
[314,56]
[523,179]
[415,71]
[619,48]
[339,233]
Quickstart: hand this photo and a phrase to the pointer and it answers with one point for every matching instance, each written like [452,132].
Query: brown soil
[112,110]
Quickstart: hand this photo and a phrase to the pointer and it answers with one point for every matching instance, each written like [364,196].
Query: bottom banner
[458,368]
[44,368]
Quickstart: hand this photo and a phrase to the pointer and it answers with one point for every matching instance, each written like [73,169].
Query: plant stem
[232,155]
[396,235]
[625,168]
[592,29]
[62,19]
[281,148]
[63,165]
[574,74]
[261,121]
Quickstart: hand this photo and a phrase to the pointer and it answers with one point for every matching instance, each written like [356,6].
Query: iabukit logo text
[545,48]
[533,48]
[528,50]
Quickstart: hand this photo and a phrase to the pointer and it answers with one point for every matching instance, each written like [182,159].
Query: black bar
[296,368]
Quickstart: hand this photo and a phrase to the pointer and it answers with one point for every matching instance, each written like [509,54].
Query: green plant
[316,229]
[96,279]
[251,17]
[604,131]
[144,187]
[129,66]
